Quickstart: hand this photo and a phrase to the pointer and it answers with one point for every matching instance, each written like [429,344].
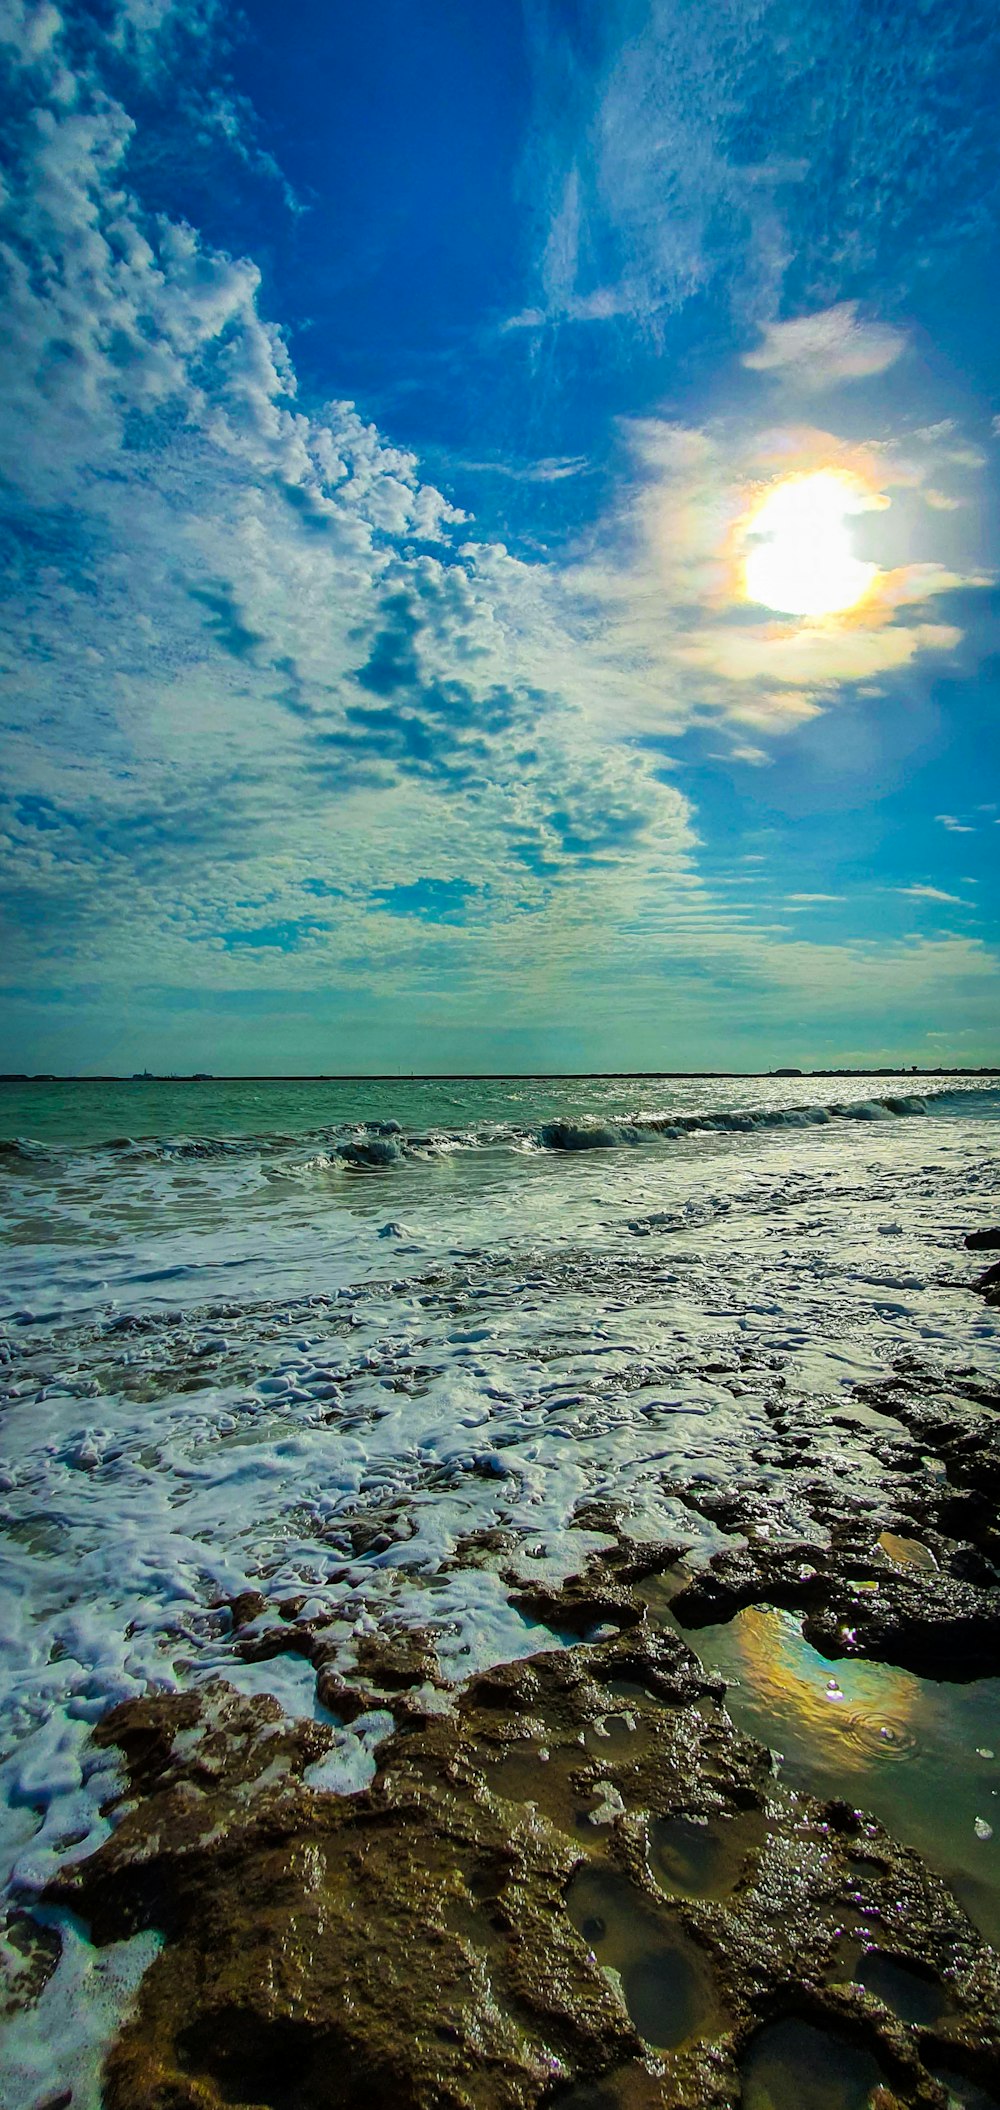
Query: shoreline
[470,1788]
[571,1879]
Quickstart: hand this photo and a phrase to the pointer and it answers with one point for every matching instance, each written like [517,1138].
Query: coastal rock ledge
[573,1882]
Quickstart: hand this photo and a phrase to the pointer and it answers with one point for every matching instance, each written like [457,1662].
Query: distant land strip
[897,1069]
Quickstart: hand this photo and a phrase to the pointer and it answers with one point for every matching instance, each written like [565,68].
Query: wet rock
[463,1934]
[819,1539]
[943,1411]
[924,1621]
[375,1530]
[482,1548]
[289,1637]
[983,1241]
[580,1606]
[387,1669]
[601,1595]
[373,1950]
[396,1659]
[29,1953]
[203,1736]
[246,1607]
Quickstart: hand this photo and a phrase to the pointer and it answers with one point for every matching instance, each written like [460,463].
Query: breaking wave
[646,1128]
[377,1146]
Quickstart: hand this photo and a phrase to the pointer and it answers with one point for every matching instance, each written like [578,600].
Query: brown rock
[436,1942]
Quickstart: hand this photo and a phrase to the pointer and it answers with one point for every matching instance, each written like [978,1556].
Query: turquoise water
[99,1112]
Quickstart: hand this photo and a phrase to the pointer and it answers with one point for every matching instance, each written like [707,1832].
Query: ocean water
[308,1337]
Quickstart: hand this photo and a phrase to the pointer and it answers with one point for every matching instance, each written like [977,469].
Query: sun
[799,558]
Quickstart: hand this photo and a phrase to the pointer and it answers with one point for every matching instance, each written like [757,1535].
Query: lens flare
[799,558]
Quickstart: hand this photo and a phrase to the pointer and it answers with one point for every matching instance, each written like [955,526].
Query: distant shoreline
[487,1076]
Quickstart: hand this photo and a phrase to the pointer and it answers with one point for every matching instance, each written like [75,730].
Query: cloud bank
[279,721]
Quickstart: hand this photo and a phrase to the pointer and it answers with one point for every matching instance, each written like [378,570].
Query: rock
[436,1941]
[29,1954]
[246,1607]
[983,1241]
[933,1624]
[904,1568]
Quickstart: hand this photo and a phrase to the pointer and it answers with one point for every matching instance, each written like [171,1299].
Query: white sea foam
[60,2042]
[217,1380]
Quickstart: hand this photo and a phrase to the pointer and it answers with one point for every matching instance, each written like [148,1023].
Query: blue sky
[389,400]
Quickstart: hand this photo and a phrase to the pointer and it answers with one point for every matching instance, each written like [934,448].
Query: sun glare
[799,559]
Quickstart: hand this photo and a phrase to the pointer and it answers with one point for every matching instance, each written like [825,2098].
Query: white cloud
[271,672]
[932,893]
[825,657]
[676,151]
[268,658]
[548,469]
[29,31]
[818,351]
[678,639]
[757,757]
[629,161]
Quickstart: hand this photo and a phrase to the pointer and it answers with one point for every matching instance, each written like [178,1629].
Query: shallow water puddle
[923,1757]
[912,1995]
[792,2066]
[534,1774]
[658,1591]
[703,1857]
[962,2093]
[666,1982]
[906,1552]
[618,1735]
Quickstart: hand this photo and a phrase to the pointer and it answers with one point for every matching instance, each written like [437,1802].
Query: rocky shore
[580,1885]
[573,1880]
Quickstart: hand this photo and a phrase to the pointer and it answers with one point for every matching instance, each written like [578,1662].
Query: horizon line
[902,1069]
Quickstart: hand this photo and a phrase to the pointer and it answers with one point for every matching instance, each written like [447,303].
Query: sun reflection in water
[866,1708]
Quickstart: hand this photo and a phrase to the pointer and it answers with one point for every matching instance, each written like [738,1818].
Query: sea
[307,1337]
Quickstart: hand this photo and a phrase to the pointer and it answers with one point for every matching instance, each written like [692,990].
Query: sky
[500,535]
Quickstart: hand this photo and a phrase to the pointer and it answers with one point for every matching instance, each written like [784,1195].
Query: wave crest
[646,1128]
[378,1145]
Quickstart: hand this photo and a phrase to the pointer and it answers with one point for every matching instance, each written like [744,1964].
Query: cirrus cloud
[817,351]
